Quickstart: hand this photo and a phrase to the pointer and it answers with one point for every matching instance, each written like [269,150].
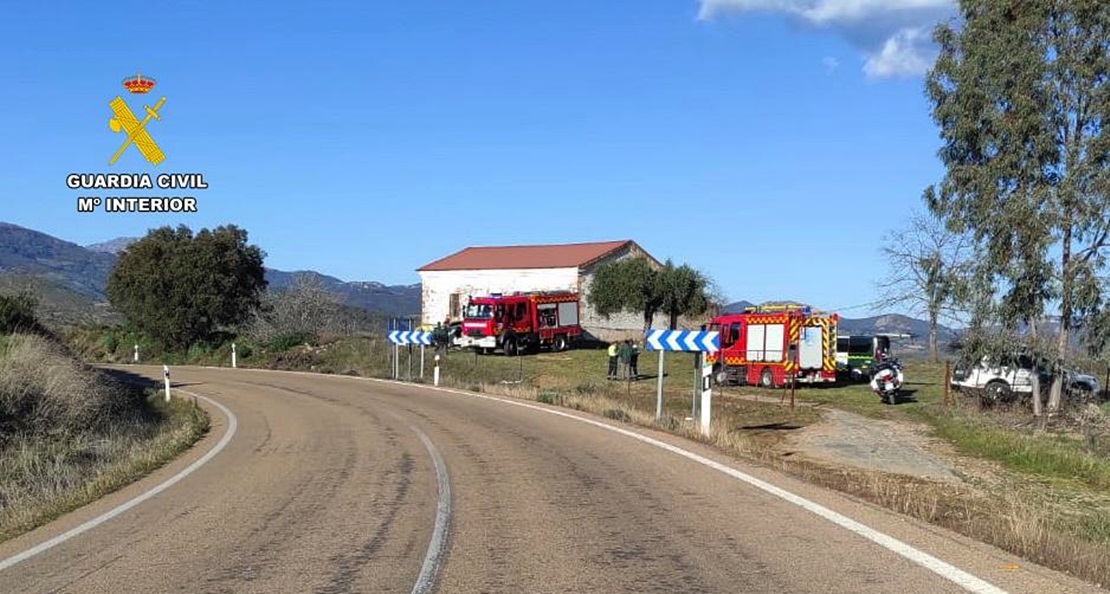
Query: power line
[860,306]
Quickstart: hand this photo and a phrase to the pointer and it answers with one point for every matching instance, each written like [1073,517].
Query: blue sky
[769,143]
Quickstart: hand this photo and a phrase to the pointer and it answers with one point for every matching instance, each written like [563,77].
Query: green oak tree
[180,288]
[682,291]
[636,285]
[626,285]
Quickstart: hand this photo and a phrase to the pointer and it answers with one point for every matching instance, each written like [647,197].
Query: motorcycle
[887,379]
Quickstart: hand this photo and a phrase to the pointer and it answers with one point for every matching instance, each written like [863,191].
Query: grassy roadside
[70,434]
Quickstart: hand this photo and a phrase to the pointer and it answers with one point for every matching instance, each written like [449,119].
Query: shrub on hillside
[284,342]
[17,314]
[44,390]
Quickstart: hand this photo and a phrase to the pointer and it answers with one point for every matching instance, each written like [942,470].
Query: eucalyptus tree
[1019,92]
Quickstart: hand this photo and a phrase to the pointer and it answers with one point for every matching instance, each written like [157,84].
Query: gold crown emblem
[138,84]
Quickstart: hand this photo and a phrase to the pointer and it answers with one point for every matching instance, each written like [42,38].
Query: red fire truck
[521,321]
[767,344]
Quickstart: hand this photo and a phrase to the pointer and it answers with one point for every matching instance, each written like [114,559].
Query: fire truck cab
[768,345]
[521,321]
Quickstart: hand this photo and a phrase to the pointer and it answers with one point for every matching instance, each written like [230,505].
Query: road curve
[336,485]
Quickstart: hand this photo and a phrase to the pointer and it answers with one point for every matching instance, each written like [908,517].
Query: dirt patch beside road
[872,444]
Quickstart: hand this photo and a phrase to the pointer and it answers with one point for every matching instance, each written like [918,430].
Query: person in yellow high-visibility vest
[613,349]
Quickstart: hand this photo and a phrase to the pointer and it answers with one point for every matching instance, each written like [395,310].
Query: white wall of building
[438,285]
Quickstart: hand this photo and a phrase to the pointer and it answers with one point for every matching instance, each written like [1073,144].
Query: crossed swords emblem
[126,121]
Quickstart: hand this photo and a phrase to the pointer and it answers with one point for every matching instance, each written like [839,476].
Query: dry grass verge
[70,434]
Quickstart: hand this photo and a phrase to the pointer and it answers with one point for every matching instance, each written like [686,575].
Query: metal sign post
[659,390]
[421,361]
[697,387]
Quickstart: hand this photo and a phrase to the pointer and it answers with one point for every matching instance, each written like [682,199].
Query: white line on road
[429,571]
[232,425]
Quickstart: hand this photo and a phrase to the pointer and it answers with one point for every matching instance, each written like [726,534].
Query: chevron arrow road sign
[682,340]
[410,337]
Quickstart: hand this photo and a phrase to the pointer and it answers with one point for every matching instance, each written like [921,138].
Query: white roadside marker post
[435,372]
[706,393]
[136,358]
[233,362]
[166,374]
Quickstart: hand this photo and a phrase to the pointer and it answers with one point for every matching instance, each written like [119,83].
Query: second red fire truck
[767,345]
[521,321]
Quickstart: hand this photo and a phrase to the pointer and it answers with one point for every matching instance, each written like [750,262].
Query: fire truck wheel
[510,347]
[561,343]
[766,379]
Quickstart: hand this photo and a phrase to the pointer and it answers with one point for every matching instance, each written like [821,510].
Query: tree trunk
[1037,402]
[1055,396]
[934,355]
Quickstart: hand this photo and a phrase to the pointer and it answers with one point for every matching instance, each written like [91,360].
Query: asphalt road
[336,485]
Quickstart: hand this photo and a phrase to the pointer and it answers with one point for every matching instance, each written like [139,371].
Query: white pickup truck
[1010,377]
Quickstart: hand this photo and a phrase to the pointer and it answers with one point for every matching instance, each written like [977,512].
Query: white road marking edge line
[437,546]
[232,425]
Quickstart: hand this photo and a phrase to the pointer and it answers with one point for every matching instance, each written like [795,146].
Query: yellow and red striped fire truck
[768,344]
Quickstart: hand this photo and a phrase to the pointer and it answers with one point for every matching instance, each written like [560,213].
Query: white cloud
[830,63]
[893,35]
[908,52]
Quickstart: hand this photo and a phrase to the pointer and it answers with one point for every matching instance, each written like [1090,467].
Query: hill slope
[28,252]
[71,280]
[395,300]
[112,246]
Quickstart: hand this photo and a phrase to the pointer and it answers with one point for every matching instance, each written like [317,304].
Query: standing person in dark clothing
[634,362]
[625,354]
[612,360]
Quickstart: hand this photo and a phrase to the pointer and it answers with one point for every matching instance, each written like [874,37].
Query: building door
[454,308]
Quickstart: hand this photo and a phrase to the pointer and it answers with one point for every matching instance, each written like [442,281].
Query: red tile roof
[567,255]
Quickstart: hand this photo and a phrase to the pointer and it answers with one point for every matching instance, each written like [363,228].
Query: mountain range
[70,279]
